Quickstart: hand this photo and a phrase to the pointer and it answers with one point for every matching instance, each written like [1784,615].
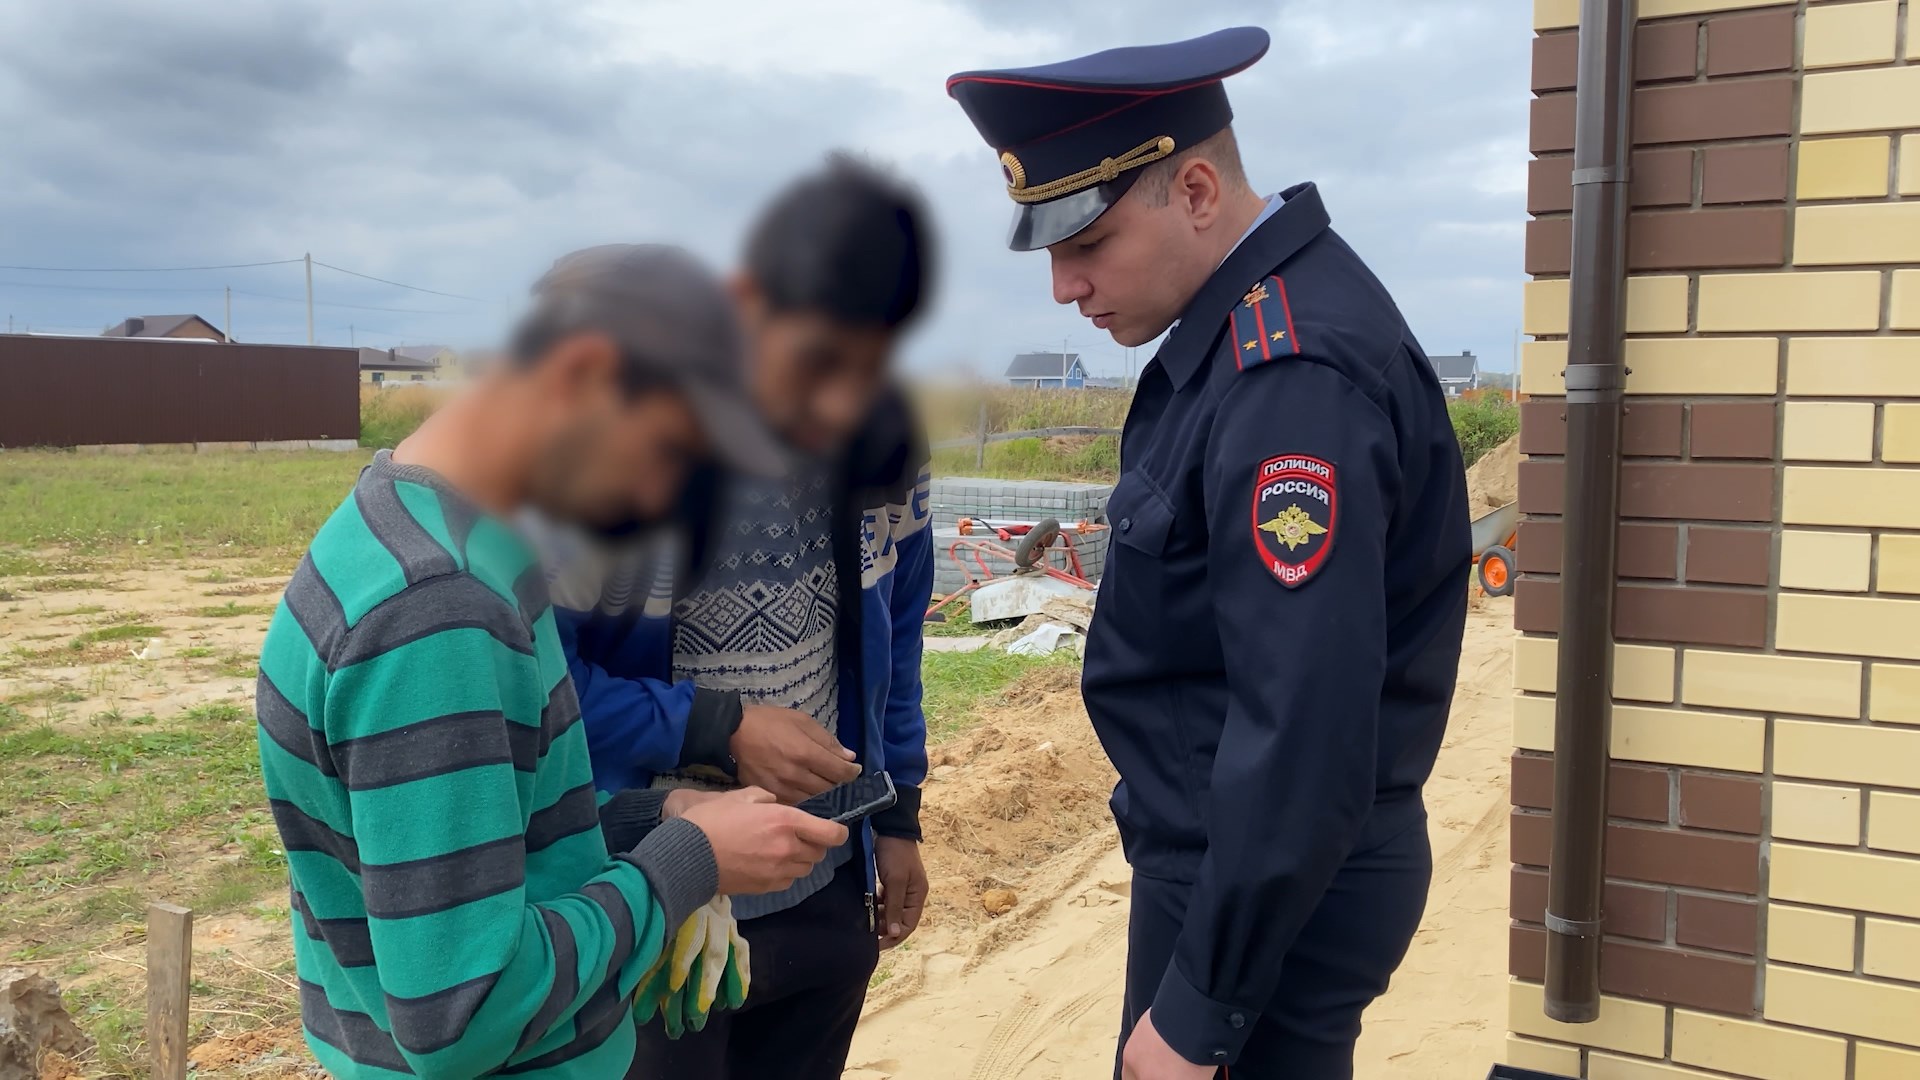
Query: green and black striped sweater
[455,909]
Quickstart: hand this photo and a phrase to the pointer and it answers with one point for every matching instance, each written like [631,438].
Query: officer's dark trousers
[1340,962]
[811,963]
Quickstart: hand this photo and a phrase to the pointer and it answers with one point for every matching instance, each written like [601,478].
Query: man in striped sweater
[457,911]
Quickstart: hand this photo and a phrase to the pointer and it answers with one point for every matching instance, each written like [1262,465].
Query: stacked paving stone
[1012,502]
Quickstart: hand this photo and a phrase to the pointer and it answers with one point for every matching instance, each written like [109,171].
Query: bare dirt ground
[1035,994]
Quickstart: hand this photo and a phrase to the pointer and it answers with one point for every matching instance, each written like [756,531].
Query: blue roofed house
[1457,373]
[1047,371]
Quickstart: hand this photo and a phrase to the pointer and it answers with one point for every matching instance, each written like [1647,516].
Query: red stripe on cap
[1287,309]
[1037,84]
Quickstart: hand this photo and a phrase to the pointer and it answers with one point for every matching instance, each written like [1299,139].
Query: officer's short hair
[850,241]
[1221,148]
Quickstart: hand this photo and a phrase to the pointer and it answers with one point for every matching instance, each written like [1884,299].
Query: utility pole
[227,330]
[309,258]
[1063,363]
[1516,365]
[351,340]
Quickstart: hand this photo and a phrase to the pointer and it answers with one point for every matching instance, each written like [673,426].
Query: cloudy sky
[460,146]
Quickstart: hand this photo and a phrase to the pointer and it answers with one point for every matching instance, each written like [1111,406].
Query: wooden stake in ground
[169,973]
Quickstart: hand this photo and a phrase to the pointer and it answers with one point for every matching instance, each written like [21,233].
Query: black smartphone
[860,797]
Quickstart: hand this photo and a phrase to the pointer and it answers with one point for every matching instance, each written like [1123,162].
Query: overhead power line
[397,284]
[145,269]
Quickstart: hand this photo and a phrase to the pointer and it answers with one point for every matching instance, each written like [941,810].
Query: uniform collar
[1287,228]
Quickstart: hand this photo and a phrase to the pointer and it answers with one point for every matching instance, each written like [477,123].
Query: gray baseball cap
[672,316]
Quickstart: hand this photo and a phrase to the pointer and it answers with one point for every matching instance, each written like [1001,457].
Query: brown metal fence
[99,391]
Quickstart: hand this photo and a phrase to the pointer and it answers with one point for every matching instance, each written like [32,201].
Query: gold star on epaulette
[1256,294]
[1279,335]
[1250,345]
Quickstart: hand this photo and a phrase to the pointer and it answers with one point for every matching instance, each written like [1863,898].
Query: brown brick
[1542,487]
[1697,980]
[1745,44]
[1726,803]
[1530,836]
[1527,952]
[1716,922]
[1661,177]
[1670,857]
[1729,556]
[1694,492]
[1705,239]
[1743,174]
[1696,112]
[1556,62]
[1550,124]
[1633,791]
[1733,429]
[1636,911]
[1642,613]
[1645,551]
[1549,247]
[1666,51]
[1651,429]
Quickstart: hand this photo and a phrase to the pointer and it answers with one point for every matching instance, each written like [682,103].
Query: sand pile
[1494,480]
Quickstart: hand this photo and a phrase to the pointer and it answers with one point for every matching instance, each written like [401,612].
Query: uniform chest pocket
[1140,514]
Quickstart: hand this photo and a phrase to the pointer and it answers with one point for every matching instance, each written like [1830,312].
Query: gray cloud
[461,146]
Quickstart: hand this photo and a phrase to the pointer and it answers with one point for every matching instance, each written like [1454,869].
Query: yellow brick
[1871,1062]
[1883,498]
[1640,672]
[1657,305]
[1828,431]
[1702,366]
[1900,563]
[1850,753]
[1543,366]
[1892,950]
[1816,813]
[1879,99]
[1845,879]
[1836,1003]
[1826,561]
[1841,35]
[1545,308]
[1908,182]
[1903,312]
[1850,625]
[1542,1057]
[1900,437]
[1609,1067]
[1834,300]
[1797,935]
[1660,9]
[1533,723]
[1893,822]
[1757,1050]
[1843,168]
[1771,683]
[1853,367]
[1893,694]
[1631,1027]
[1850,235]
[1701,740]
[1555,14]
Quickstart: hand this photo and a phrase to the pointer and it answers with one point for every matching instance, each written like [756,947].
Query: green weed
[955,685]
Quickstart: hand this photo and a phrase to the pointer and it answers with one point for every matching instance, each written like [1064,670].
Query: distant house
[445,360]
[1047,371]
[381,366]
[165,326]
[1457,373]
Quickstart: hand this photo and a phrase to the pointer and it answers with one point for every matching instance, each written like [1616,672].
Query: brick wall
[1763,862]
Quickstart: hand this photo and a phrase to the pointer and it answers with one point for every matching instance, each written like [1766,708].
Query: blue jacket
[618,630]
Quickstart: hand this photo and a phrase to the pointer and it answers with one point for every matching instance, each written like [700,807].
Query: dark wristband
[902,819]
[711,722]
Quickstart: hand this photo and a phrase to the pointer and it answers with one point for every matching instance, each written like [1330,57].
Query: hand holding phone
[861,797]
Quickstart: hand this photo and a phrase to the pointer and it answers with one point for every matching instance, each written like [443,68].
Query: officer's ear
[1199,191]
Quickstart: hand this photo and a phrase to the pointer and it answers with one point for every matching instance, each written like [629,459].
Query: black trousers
[811,964]
[1341,961]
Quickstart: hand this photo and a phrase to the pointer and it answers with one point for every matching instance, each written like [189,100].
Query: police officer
[1280,622]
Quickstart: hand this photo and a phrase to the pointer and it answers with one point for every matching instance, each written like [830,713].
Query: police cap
[1074,135]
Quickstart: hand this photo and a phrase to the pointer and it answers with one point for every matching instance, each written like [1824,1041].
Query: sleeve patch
[1295,509]
[1262,324]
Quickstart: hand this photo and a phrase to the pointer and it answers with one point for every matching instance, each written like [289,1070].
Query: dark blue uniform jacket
[1280,620]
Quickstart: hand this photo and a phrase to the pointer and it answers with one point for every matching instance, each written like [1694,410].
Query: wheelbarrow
[1494,533]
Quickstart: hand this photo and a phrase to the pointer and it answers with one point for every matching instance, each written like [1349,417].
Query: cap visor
[736,435]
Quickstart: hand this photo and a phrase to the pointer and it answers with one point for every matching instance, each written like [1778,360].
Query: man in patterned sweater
[457,911]
[780,645]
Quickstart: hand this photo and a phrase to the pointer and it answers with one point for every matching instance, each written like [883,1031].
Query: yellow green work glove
[705,964]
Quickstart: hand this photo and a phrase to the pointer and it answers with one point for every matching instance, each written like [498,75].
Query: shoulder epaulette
[1262,324]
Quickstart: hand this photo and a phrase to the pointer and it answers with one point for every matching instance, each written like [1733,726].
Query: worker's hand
[1148,1057]
[760,846]
[680,800]
[903,888]
[789,754]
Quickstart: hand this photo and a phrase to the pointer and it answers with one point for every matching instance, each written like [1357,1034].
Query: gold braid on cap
[1109,169]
